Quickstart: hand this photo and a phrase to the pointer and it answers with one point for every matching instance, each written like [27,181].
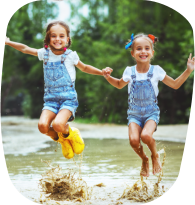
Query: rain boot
[75,140]
[67,150]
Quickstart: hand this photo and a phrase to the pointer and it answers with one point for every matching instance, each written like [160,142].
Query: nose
[143,50]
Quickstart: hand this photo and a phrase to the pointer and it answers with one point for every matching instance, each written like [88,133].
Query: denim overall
[142,101]
[59,89]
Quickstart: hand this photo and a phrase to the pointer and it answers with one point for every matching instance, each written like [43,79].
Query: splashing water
[59,186]
[141,192]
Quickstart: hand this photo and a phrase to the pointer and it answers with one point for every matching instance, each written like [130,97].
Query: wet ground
[107,158]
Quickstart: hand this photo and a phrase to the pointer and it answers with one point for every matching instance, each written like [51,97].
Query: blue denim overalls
[59,89]
[142,101]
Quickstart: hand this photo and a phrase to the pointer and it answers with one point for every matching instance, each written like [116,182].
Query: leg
[45,120]
[60,122]
[134,139]
[59,127]
[146,136]
[65,133]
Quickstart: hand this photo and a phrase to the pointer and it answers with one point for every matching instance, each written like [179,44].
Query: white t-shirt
[158,74]
[72,59]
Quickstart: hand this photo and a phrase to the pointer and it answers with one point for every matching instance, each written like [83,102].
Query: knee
[57,126]
[135,143]
[146,138]
[43,127]
[60,127]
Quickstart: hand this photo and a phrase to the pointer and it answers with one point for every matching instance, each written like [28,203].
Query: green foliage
[23,74]
[27,105]
[99,40]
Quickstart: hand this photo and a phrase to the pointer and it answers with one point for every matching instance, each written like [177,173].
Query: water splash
[59,186]
[141,191]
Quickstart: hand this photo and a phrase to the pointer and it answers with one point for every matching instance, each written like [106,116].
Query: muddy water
[109,165]
[106,159]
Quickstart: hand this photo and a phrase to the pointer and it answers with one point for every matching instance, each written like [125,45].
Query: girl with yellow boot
[60,96]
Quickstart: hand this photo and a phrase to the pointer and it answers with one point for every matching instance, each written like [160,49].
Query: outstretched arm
[118,83]
[88,69]
[175,84]
[21,47]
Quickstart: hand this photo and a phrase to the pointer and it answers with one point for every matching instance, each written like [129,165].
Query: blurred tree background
[99,38]
[22,75]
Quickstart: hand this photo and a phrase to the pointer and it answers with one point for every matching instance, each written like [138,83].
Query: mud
[58,186]
[100,185]
[108,167]
[144,192]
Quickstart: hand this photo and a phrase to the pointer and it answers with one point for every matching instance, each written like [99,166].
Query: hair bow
[152,37]
[130,43]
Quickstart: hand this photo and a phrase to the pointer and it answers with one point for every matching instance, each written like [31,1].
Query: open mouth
[57,44]
[143,57]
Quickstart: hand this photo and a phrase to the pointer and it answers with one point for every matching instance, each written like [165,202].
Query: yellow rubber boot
[76,140]
[67,150]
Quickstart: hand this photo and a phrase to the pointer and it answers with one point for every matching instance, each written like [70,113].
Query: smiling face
[58,37]
[142,50]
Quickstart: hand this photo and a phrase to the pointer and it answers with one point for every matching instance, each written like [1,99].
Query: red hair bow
[152,37]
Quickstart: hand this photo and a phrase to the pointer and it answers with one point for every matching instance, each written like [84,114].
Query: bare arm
[175,84]
[21,47]
[118,83]
[88,69]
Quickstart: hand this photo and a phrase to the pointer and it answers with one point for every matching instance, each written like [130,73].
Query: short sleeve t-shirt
[158,75]
[72,59]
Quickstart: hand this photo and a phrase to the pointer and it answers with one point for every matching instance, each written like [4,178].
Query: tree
[100,39]
[22,75]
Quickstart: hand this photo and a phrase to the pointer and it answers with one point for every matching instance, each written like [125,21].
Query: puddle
[144,191]
[108,166]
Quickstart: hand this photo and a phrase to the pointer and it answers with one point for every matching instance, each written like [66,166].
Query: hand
[106,72]
[7,40]
[191,63]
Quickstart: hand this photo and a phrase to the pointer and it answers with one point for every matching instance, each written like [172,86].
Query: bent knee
[43,128]
[146,138]
[60,127]
[135,143]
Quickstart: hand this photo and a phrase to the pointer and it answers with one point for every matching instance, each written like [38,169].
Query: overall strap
[133,75]
[64,55]
[46,56]
[150,73]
